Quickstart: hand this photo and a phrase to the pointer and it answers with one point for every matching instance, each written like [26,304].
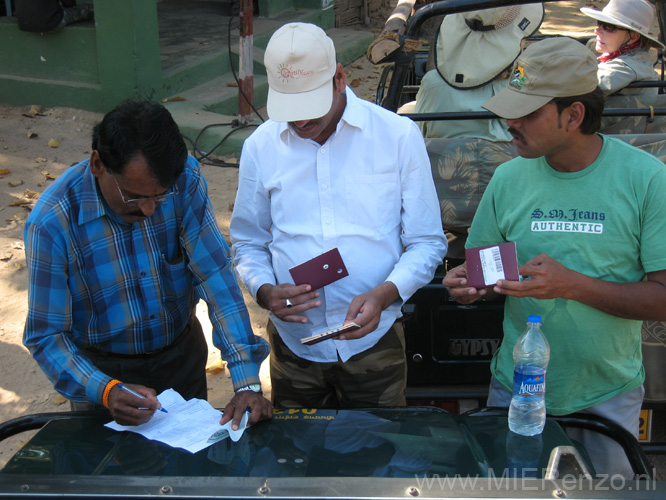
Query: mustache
[136,213]
[517,134]
[306,124]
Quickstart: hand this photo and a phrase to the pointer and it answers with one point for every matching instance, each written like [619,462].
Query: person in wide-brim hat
[474,48]
[632,15]
[624,41]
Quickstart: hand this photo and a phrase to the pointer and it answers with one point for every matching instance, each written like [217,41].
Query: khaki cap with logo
[554,67]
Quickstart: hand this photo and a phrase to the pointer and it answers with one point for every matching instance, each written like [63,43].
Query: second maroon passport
[486,265]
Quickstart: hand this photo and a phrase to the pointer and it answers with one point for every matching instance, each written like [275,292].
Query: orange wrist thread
[107,391]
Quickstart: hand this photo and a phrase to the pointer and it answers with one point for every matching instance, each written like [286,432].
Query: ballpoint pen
[134,393]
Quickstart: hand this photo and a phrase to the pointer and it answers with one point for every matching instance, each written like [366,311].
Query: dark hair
[141,127]
[594,103]
[646,43]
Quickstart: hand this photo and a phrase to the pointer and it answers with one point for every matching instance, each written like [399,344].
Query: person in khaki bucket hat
[623,39]
[587,215]
[474,52]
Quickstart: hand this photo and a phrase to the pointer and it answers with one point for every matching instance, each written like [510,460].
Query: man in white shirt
[329,170]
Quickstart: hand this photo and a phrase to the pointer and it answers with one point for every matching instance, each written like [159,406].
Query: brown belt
[143,355]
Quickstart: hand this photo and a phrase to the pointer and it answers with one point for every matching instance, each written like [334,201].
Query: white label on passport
[491,264]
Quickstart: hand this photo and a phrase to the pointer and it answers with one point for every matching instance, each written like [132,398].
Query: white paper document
[192,425]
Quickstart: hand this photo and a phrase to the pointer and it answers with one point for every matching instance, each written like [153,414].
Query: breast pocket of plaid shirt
[373,201]
[175,279]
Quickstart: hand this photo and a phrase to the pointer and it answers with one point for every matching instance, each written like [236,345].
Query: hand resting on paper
[260,408]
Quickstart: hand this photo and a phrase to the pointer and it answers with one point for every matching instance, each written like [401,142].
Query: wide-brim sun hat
[634,15]
[473,48]
[300,64]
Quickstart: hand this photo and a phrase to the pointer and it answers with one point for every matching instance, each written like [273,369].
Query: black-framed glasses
[609,28]
[138,202]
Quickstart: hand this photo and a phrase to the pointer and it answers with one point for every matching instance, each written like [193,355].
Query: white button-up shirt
[368,191]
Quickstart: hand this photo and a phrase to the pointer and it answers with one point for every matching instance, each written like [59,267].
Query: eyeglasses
[609,28]
[137,202]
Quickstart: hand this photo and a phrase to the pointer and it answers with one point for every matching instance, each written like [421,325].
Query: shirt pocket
[175,279]
[373,201]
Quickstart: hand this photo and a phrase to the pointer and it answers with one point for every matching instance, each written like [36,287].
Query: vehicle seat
[461,169]
[634,124]
[655,144]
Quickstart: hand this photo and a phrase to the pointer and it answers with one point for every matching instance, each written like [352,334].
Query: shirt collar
[92,205]
[352,115]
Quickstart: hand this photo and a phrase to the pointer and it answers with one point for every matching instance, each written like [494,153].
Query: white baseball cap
[300,65]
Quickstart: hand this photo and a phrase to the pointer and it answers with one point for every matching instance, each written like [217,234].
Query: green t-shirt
[607,221]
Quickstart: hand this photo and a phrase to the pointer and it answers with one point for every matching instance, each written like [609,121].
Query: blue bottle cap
[533,318]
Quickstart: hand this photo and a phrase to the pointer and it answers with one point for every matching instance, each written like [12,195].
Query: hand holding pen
[134,393]
[124,408]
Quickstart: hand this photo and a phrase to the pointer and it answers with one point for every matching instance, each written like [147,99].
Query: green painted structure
[94,66]
[137,49]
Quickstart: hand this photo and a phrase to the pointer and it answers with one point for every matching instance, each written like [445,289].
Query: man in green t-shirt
[590,229]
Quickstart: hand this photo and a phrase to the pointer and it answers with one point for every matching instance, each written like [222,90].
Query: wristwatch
[251,387]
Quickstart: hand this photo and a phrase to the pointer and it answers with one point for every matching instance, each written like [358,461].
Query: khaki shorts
[373,378]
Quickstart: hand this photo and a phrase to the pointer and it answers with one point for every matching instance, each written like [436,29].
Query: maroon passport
[486,265]
[320,271]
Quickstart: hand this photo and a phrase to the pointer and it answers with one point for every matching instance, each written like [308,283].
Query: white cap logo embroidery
[286,72]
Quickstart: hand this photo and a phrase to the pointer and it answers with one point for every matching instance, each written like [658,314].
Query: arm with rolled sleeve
[209,260]
[48,328]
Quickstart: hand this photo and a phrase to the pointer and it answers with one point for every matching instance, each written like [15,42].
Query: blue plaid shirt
[97,281]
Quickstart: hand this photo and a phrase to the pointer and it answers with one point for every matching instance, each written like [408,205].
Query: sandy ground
[29,162]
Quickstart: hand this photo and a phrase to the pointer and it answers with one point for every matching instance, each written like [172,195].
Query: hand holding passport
[318,272]
[486,265]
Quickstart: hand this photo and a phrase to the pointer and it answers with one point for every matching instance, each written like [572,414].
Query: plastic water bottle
[527,413]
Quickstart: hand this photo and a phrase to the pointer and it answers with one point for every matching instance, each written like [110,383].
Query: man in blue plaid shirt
[120,249]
